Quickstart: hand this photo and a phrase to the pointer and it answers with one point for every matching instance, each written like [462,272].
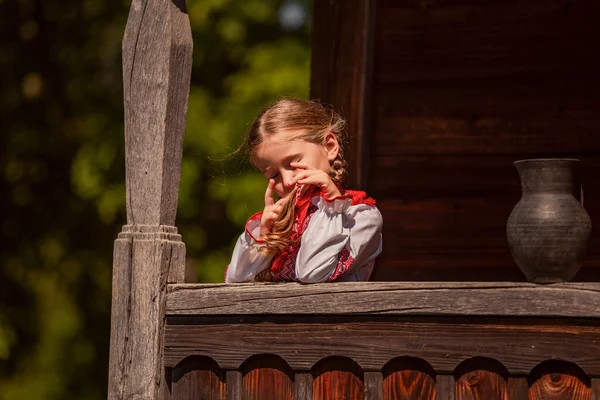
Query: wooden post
[148,254]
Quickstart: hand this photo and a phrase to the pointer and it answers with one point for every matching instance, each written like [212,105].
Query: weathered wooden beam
[388,298]
[149,254]
[519,344]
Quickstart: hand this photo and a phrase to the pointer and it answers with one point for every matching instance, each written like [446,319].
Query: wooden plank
[596,389]
[420,267]
[408,378]
[198,378]
[481,385]
[446,267]
[413,178]
[555,379]
[481,378]
[267,377]
[341,70]
[302,341]
[512,115]
[121,297]
[303,382]
[338,378]
[559,386]
[374,386]
[518,388]
[474,39]
[445,387]
[233,382]
[388,298]
[540,135]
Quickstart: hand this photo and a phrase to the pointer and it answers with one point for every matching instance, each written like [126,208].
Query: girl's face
[274,155]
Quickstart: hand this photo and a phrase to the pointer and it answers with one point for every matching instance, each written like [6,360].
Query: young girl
[316,231]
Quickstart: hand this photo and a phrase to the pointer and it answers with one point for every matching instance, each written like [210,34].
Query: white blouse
[339,244]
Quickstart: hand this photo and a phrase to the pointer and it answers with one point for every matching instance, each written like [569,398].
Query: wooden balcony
[383,341]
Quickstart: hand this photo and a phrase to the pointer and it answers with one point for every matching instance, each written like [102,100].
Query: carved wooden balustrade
[383,341]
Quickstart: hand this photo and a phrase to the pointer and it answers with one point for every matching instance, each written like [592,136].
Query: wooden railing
[384,341]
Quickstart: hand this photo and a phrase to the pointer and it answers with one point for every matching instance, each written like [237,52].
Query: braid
[338,169]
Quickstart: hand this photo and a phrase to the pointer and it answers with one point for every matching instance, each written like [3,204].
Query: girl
[316,231]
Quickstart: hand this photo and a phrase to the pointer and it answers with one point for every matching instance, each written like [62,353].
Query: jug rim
[533,160]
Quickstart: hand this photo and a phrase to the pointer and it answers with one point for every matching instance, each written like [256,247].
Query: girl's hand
[306,175]
[271,211]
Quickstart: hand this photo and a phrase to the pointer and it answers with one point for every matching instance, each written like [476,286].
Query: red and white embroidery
[287,273]
[345,261]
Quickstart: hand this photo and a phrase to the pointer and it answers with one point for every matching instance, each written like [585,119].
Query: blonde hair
[310,121]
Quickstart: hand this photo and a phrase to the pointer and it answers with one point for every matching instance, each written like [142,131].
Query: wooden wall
[454,91]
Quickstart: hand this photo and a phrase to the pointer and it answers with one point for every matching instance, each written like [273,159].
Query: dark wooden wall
[455,92]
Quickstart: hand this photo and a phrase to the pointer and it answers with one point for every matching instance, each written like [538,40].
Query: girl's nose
[287,177]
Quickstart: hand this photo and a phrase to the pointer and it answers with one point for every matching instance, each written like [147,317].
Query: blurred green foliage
[62,168]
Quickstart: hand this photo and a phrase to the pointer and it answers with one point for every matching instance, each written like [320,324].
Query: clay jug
[548,230]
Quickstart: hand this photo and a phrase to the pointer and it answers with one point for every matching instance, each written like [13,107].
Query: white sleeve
[247,261]
[340,238]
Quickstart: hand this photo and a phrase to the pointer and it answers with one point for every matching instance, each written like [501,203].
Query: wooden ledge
[497,299]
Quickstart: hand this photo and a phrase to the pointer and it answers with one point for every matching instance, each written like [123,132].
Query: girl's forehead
[275,148]
[285,136]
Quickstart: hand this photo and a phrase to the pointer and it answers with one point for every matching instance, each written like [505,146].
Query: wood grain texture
[267,377]
[374,386]
[157,61]
[473,39]
[233,382]
[554,380]
[445,387]
[121,297]
[460,90]
[393,298]
[408,378]
[198,378]
[303,385]
[371,342]
[481,385]
[341,71]
[149,254]
[518,388]
[143,262]
[510,115]
[559,386]
[481,378]
[338,378]
[596,389]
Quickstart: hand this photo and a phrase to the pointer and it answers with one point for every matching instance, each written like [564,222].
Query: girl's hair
[310,121]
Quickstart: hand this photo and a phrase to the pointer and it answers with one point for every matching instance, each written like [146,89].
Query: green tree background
[62,168]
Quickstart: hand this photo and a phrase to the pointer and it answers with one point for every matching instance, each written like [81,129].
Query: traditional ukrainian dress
[340,239]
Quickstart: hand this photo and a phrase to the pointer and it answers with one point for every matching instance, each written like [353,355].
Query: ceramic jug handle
[579,193]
